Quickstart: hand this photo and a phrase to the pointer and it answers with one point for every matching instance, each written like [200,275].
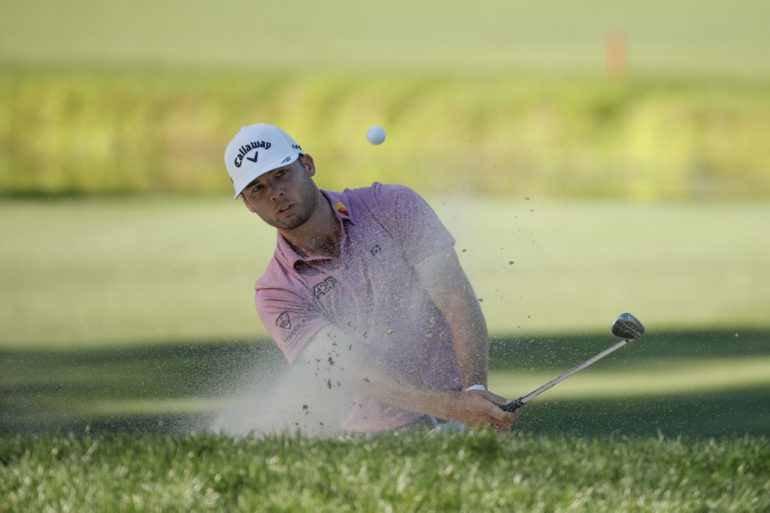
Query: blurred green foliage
[84,132]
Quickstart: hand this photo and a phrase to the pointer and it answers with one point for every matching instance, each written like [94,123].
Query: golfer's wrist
[477,387]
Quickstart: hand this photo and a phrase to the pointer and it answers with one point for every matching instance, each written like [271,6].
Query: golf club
[626,326]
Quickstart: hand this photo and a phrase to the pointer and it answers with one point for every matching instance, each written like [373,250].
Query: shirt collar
[340,207]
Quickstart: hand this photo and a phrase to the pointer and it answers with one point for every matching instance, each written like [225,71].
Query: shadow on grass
[563,352]
[171,386]
[721,414]
[57,390]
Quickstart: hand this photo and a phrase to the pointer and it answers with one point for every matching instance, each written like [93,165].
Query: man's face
[285,197]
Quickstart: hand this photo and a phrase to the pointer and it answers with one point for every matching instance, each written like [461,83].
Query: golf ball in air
[375,134]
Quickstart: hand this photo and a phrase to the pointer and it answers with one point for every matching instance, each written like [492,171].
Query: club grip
[513,405]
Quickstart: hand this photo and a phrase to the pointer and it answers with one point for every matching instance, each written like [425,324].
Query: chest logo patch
[324,287]
[283,321]
[375,250]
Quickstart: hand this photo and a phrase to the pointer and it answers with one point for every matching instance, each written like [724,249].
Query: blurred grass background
[690,38]
[590,158]
[122,271]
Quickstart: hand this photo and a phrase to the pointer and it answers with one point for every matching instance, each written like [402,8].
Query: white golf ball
[375,135]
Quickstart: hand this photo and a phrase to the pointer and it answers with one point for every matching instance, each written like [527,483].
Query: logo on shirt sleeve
[283,321]
[341,208]
[324,287]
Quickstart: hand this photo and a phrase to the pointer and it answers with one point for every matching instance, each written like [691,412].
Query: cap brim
[282,162]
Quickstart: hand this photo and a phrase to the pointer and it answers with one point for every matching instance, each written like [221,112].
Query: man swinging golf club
[365,292]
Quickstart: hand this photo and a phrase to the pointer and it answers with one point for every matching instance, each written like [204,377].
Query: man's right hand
[481,409]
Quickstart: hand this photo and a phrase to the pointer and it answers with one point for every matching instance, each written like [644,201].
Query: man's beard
[304,206]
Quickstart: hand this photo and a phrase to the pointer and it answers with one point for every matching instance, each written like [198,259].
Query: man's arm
[420,232]
[332,357]
[452,293]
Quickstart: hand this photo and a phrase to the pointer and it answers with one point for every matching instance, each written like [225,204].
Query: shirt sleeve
[291,320]
[411,221]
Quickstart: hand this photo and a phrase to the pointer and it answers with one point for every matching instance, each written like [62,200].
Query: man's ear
[307,162]
[243,198]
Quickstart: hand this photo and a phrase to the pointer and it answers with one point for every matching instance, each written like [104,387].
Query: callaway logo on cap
[256,150]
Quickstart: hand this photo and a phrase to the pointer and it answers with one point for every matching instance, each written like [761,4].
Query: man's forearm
[353,371]
[408,395]
[474,409]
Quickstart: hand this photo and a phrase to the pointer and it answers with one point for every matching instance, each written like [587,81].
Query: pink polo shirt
[372,291]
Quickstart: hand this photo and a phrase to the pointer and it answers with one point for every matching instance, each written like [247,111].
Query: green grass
[407,473]
[130,271]
[722,374]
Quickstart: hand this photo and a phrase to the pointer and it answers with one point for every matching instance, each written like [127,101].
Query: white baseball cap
[256,150]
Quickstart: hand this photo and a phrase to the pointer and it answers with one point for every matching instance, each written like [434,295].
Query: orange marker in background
[615,56]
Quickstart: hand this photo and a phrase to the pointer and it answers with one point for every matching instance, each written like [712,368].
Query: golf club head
[627,327]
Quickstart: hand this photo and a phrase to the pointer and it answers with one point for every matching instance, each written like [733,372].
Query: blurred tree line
[102,132]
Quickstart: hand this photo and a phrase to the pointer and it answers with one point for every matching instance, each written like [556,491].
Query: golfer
[366,292]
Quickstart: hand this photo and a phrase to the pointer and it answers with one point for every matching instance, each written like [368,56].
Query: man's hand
[481,409]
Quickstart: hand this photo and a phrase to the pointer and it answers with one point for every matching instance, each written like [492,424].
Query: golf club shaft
[521,401]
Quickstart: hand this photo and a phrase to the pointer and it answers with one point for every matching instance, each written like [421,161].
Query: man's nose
[276,192]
